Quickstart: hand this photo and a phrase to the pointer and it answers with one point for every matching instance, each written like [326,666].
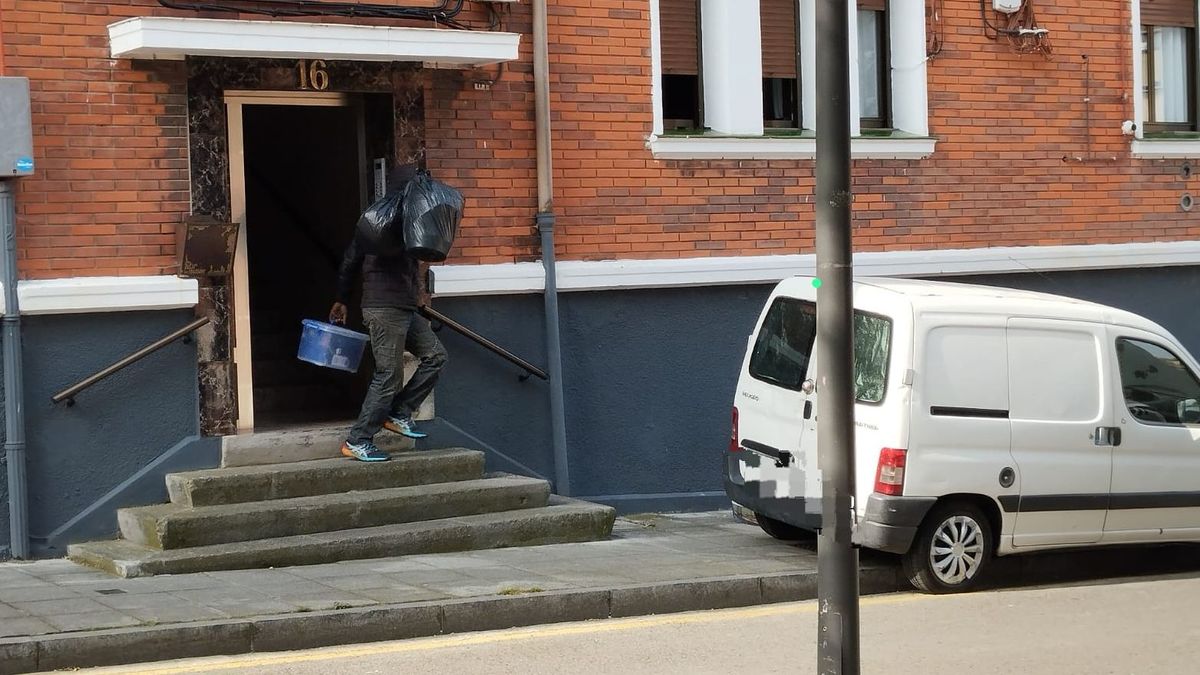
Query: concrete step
[237,485]
[299,445]
[171,526]
[563,520]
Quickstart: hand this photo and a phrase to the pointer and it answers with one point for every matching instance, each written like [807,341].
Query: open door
[301,173]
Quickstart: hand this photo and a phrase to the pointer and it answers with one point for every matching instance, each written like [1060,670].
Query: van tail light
[889,477]
[733,435]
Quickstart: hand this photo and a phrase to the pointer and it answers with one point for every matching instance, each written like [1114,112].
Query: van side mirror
[1188,411]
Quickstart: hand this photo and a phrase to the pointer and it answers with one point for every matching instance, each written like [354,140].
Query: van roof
[944,296]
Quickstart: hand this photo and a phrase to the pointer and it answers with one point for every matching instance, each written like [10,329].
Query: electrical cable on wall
[1016,24]
[443,13]
[495,22]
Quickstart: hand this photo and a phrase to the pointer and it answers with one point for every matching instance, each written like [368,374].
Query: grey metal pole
[14,383]
[837,558]
[541,94]
[558,422]
[545,225]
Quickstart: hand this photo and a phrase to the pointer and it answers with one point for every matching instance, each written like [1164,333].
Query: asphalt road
[1132,627]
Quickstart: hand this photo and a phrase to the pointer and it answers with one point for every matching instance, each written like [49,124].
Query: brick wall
[109,140]
[1016,163]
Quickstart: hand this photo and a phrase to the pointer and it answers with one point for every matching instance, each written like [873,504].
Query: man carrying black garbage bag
[390,296]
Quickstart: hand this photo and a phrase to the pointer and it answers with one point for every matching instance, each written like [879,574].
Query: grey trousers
[392,331]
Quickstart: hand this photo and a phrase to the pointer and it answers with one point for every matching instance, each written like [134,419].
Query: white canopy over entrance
[176,38]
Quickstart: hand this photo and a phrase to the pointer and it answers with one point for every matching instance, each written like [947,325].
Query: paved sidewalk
[56,614]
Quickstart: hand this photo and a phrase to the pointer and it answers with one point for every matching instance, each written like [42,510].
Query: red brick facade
[1022,157]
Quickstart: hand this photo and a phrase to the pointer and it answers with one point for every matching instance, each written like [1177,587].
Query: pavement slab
[402,594]
[20,626]
[68,623]
[10,612]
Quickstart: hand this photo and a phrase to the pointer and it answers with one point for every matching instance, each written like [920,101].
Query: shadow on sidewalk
[1088,566]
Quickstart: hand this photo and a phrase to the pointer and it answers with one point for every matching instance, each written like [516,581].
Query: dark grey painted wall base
[444,434]
[1165,295]
[78,457]
[147,486]
[649,378]
[664,503]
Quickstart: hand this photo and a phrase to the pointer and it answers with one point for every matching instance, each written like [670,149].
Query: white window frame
[1151,148]
[738,130]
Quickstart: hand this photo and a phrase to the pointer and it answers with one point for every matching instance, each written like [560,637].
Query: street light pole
[837,558]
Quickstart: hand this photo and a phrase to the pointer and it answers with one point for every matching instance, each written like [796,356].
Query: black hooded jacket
[390,281]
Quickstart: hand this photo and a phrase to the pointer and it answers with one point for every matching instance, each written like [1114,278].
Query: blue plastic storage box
[330,346]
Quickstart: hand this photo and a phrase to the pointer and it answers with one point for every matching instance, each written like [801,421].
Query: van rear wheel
[953,547]
[781,530]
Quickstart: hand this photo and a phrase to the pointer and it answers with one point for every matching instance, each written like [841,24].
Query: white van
[988,422]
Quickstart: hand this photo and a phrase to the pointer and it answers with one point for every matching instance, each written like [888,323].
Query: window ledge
[710,147]
[81,295]
[1166,148]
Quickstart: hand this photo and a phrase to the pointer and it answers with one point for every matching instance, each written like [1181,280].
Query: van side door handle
[1107,436]
[808,410]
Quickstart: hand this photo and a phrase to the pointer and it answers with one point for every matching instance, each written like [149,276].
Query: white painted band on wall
[580,275]
[84,295]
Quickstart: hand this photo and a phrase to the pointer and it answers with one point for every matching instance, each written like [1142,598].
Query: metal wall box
[206,247]
[16,128]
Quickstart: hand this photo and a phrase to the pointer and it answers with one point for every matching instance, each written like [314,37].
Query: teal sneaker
[403,426]
[364,452]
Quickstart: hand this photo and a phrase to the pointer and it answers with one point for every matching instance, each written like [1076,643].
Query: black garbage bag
[432,211]
[378,226]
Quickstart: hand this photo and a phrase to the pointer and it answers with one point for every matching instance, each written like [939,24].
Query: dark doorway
[305,169]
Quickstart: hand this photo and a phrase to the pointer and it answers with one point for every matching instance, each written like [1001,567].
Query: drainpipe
[545,224]
[14,387]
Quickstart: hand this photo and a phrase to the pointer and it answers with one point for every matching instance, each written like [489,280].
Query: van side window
[785,346]
[1158,387]
[872,346]
[785,343]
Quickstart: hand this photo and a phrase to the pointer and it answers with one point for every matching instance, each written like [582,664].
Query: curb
[376,623]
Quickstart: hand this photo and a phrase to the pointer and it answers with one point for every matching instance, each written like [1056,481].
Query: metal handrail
[69,393]
[530,369]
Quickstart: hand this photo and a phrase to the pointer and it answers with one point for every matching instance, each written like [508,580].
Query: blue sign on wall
[23,164]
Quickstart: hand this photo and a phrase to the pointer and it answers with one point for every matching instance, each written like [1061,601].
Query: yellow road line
[495,637]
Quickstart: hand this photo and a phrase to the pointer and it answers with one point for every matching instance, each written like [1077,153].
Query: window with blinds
[874,66]
[679,39]
[780,56]
[682,67]
[1169,65]
[1169,13]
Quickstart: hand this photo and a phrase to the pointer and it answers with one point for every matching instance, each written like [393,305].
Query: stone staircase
[288,498]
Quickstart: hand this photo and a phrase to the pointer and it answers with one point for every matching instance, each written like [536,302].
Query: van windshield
[785,344]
